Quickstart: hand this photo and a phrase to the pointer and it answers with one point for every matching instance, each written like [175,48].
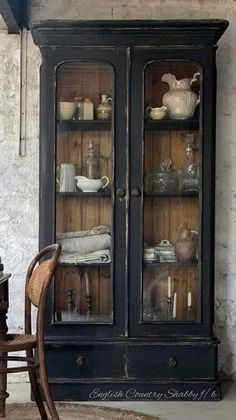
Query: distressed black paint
[130,360]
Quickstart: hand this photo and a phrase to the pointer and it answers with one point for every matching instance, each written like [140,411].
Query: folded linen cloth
[86,244]
[97,256]
[96,230]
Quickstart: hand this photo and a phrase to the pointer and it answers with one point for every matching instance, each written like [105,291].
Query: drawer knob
[172,362]
[80,361]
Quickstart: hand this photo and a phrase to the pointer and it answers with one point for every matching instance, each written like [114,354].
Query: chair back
[38,279]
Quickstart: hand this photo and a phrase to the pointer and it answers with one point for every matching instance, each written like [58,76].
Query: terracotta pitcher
[186,245]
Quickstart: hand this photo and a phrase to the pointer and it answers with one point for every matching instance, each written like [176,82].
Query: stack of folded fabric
[86,245]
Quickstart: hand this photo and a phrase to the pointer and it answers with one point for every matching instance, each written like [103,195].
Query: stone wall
[19,175]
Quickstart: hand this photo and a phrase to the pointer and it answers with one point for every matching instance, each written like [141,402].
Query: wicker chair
[37,283]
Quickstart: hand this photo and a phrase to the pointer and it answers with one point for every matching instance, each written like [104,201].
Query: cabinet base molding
[133,372]
[136,391]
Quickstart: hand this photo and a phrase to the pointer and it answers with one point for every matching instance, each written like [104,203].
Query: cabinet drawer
[85,361]
[172,361]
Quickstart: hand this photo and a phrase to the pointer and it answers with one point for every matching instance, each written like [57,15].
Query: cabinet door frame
[118,59]
[140,57]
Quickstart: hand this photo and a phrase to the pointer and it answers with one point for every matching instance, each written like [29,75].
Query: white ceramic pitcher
[67,177]
[180,100]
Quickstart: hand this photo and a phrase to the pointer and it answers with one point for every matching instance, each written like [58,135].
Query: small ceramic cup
[150,253]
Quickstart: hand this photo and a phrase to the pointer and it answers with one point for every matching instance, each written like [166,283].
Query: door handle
[120,192]
[135,192]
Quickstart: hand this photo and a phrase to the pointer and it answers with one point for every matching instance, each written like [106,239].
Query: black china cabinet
[127,174]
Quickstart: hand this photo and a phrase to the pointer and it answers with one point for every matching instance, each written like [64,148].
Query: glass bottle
[92,163]
[189,173]
[79,114]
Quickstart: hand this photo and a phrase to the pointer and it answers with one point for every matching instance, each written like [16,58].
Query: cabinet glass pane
[172,193]
[84,204]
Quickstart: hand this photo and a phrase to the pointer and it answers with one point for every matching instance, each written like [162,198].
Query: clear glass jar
[166,179]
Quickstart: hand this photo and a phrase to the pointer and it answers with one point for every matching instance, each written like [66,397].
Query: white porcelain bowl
[91,185]
[66,110]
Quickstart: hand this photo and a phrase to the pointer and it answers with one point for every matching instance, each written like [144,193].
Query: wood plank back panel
[85,79]
[163,217]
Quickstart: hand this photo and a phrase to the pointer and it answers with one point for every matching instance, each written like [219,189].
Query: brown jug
[186,245]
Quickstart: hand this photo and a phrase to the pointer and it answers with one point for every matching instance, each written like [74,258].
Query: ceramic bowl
[91,185]
[66,110]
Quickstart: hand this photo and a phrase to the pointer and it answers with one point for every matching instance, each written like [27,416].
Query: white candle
[189,299]
[169,287]
[87,283]
[174,304]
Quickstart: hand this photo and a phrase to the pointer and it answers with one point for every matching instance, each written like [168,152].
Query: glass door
[171,282]
[88,281]
[166,195]
[84,216]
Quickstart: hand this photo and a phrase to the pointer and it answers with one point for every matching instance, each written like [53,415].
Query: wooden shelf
[68,317]
[177,194]
[168,124]
[107,194]
[84,264]
[84,125]
[80,194]
[170,264]
[150,125]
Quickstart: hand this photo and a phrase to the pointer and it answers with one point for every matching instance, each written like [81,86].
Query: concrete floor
[223,410]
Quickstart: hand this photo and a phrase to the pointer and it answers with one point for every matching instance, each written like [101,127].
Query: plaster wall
[19,175]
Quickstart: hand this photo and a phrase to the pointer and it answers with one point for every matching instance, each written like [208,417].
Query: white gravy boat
[91,185]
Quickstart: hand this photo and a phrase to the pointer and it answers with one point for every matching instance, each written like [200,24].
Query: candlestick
[189,299]
[169,298]
[70,300]
[88,304]
[189,307]
[86,283]
[174,305]
[169,308]
[169,287]
[87,294]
